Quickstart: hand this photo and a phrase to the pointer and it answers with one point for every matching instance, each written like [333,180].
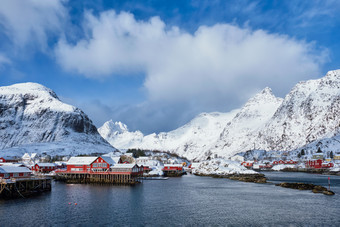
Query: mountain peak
[264,96]
[116,126]
[267,90]
[28,88]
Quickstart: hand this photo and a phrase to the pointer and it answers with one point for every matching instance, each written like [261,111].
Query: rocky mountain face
[240,134]
[32,116]
[308,113]
[306,117]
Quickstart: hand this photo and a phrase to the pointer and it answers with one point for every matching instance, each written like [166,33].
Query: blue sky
[154,65]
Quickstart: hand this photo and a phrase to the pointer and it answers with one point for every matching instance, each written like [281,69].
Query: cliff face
[308,113]
[32,114]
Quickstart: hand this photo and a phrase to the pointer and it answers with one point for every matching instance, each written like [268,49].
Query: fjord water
[189,200]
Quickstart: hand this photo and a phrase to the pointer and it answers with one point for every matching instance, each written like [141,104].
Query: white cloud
[216,68]
[29,22]
[220,59]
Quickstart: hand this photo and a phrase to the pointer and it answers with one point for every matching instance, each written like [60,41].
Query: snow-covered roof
[46,164]
[81,160]
[14,169]
[116,159]
[143,158]
[173,165]
[12,164]
[34,155]
[129,166]
[26,156]
[109,160]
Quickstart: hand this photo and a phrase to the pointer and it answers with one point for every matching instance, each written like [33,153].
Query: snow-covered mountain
[32,118]
[240,133]
[117,133]
[307,115]
[197,134]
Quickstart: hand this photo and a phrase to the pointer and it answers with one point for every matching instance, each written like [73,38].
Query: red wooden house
[327,165]
[173,169]
[89,164]
[129,169]
[315,164]
[247,164]
[7,172]
[44,167]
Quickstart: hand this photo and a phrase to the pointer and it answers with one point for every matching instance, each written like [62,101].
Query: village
[318,162]
[31,173]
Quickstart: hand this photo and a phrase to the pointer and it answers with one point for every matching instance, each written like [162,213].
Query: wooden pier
[23,187]
[100,177]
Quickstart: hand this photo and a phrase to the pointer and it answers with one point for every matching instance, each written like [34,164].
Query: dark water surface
[189,200]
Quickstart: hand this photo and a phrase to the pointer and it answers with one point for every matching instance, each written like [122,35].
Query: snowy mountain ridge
[32,117]
[308,113]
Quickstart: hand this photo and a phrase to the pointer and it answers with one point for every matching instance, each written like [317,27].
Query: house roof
[129,166]
[14,169]
[116,159]
[46,164]
[109,160]
[26,156]
[81,160]
[12,164]
[173,165]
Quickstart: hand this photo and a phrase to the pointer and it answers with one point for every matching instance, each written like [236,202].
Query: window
[95,165]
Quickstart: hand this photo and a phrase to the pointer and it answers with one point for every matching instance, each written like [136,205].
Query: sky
[156,64]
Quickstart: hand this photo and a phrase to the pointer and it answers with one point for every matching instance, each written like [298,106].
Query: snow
[119,165]
[46,164]
[14,169]
[81,160]
[109,160]
[154,172]
[221,167]
[282,167]
[306,118]
[34,120]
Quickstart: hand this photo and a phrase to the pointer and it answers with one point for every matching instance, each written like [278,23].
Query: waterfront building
[173,170]
[87,164]
[7,172]
[44,167]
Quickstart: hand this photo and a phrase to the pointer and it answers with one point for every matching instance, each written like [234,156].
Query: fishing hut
[99,170]
[18,182]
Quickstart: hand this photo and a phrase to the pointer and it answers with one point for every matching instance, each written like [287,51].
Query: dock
[99,177]
[23,187]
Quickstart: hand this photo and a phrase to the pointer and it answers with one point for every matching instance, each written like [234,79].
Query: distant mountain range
[33,119]
[308,117]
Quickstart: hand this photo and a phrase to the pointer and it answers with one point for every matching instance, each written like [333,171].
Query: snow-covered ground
[282,167]
[221,166]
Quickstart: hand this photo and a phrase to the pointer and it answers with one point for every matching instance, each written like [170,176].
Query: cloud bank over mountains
[215,68]
[214,61]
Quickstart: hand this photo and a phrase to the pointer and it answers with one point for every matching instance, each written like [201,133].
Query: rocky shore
[304,186]
[254,178]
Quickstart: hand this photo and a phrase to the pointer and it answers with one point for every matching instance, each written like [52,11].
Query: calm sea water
[189,200]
